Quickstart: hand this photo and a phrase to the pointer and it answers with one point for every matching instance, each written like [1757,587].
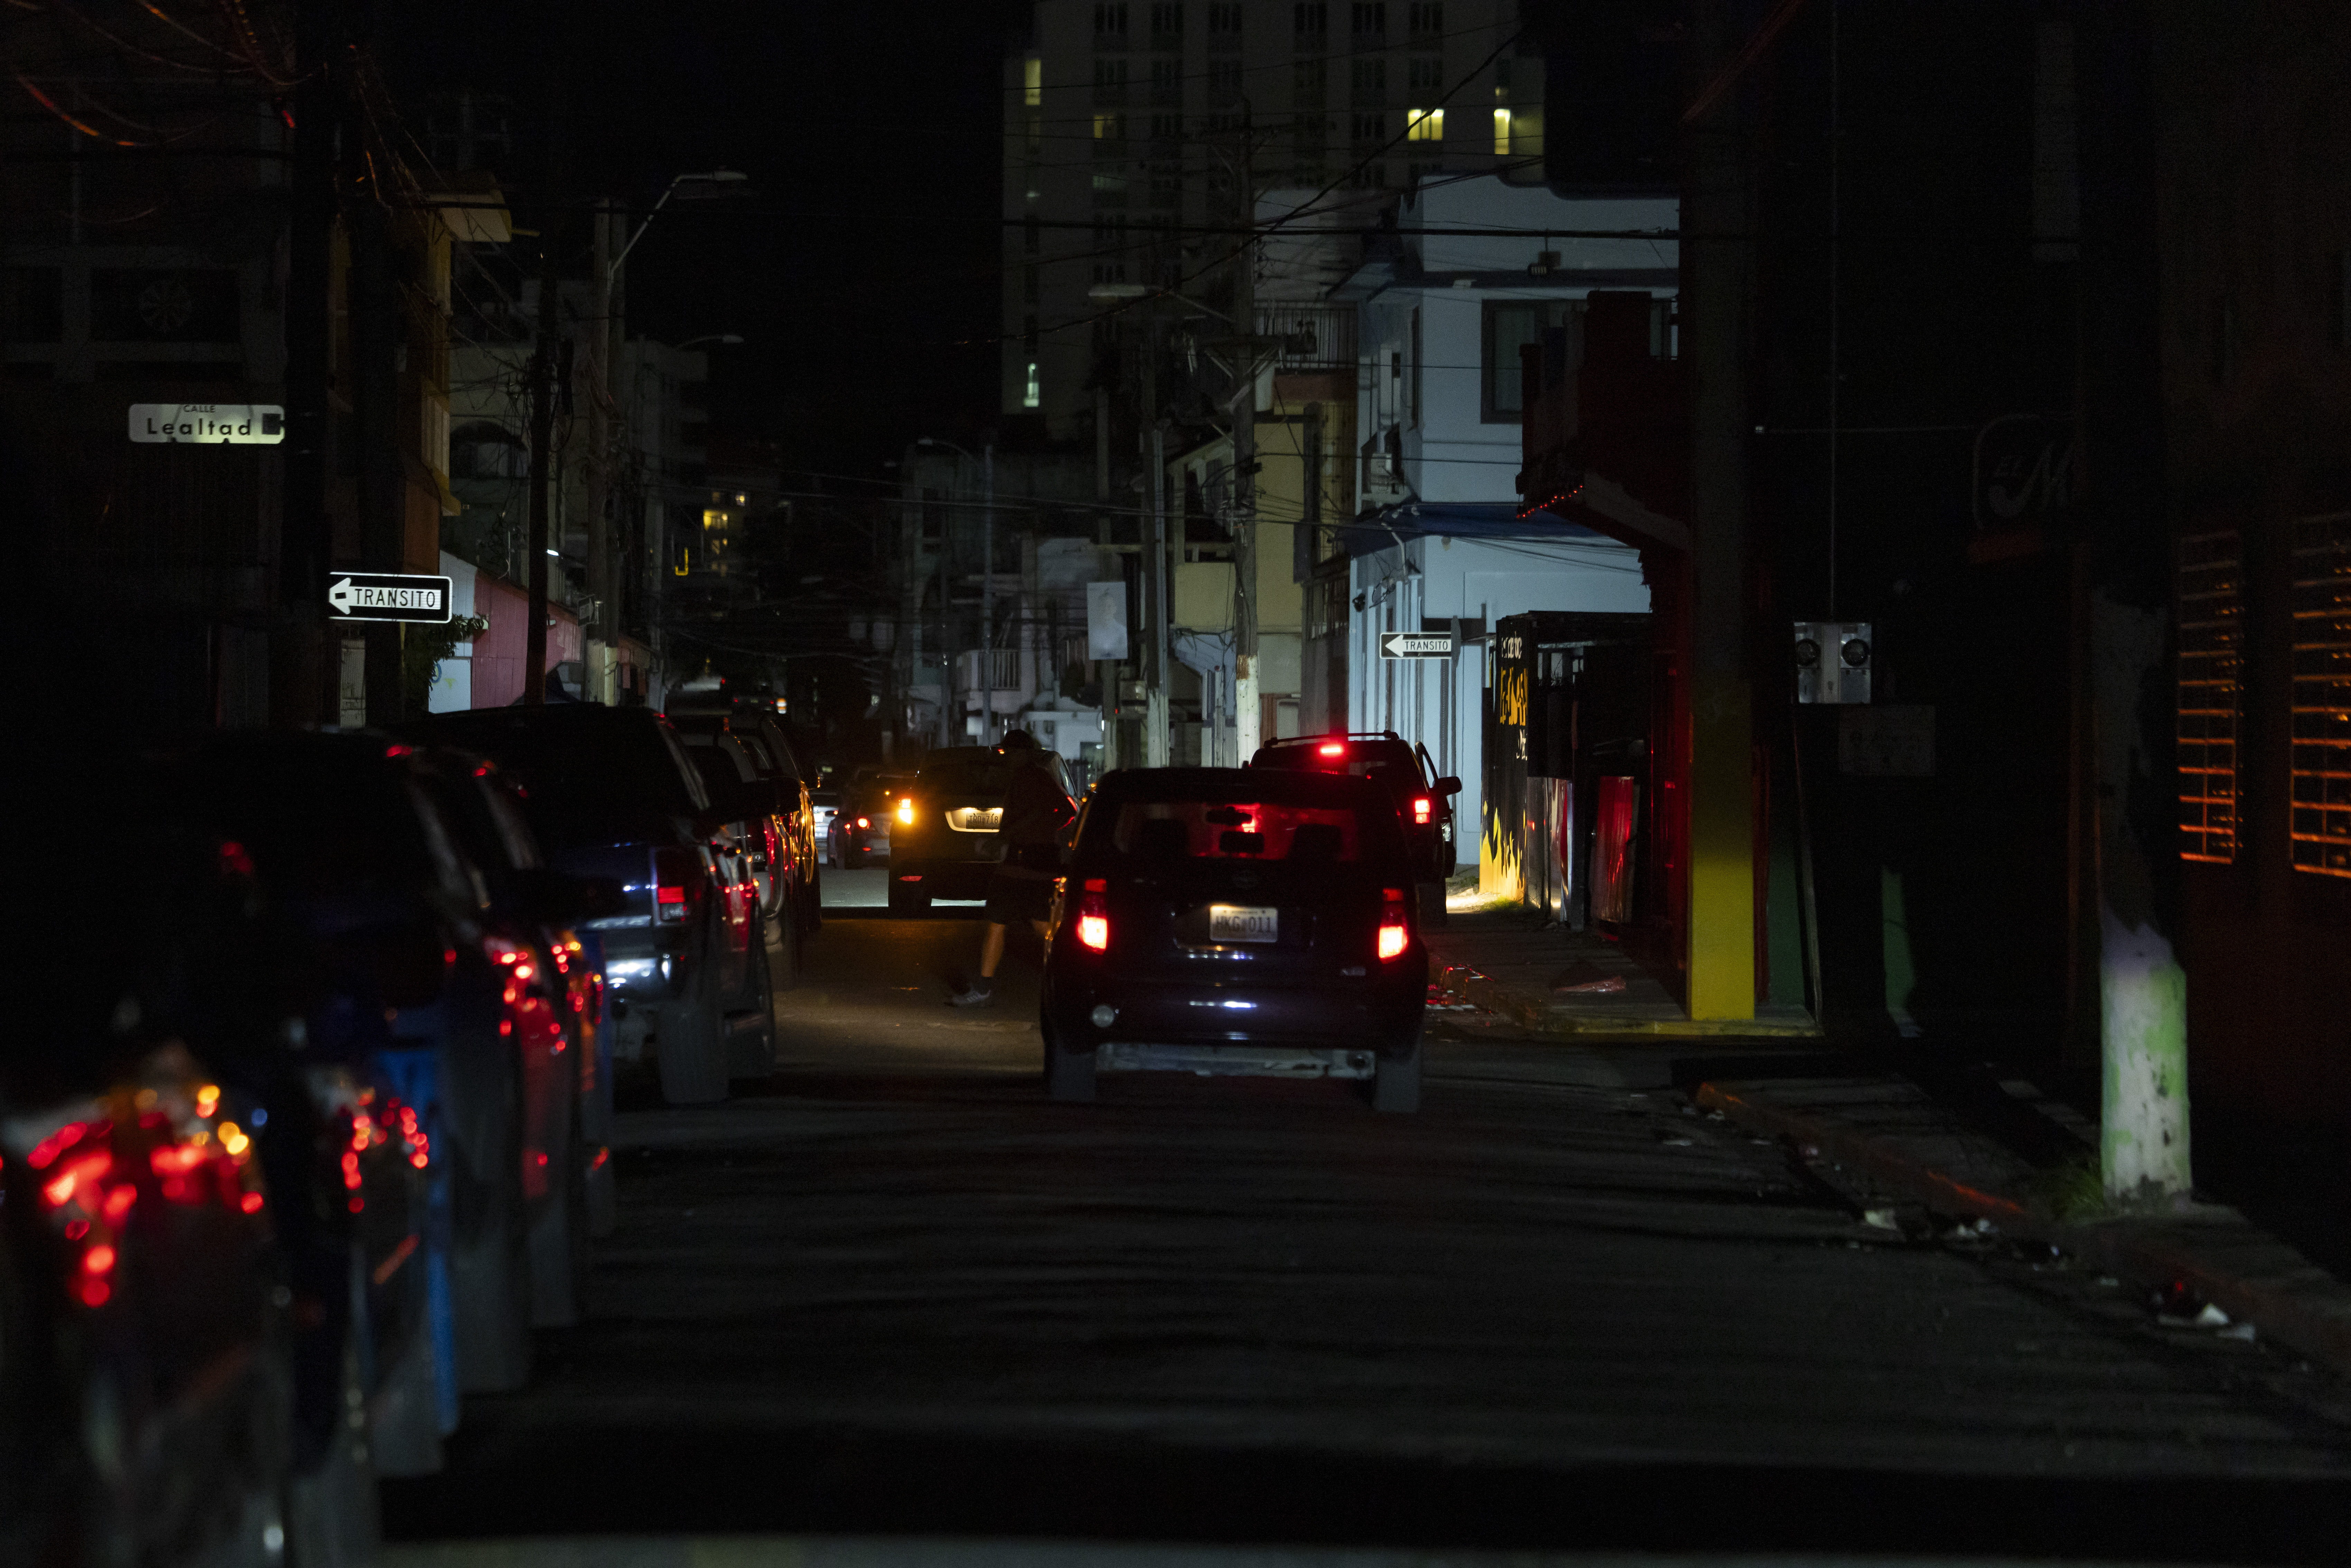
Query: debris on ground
[1608,985]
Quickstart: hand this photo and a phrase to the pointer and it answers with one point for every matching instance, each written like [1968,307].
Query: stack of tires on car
[305,1127]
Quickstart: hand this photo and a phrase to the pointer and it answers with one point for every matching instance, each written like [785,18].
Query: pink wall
[499,652]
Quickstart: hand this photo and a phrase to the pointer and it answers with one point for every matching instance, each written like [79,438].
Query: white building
[1477,269]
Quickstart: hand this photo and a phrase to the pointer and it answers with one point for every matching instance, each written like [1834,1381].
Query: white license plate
[1243,923]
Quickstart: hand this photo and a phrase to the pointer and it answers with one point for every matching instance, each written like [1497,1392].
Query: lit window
[1501,133]
[1030,395]
[714,521]
[1424,125]
[2320,774]
[2211,673]
[1032,81]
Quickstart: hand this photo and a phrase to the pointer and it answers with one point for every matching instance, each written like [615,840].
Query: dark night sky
[865,273]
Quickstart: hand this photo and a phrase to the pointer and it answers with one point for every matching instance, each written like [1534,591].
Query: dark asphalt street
[894,1291]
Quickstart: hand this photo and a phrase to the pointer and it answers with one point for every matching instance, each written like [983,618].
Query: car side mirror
[1449,785]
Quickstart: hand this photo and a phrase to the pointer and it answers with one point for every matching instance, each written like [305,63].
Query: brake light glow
[1093,915]
[906,810]
[1420,810]
[1392,936]
[1331,749]
[673,873]
[864,822]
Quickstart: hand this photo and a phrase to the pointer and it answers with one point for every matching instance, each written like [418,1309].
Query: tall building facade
[1137,134]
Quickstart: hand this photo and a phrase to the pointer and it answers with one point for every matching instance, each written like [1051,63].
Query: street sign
[1418,645]
[377,596]
[1106,620]
[208,423]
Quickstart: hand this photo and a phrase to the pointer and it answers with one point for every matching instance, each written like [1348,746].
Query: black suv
[611,794]
[1423,800]
[943,829]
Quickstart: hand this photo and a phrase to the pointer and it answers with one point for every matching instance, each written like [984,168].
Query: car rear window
[1303,819]
[1253,830]
[969,778]
[1390,762]
[583,781]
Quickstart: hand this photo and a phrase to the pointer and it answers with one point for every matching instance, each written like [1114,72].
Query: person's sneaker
[977,994]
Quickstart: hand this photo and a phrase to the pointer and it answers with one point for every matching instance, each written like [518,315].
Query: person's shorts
[1013,899]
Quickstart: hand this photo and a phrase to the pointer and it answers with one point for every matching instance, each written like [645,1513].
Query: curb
[2246,1272]
[1536,1013]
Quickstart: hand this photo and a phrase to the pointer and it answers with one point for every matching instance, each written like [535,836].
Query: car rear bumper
[1381,1014]
[942,879]
[1229,1060]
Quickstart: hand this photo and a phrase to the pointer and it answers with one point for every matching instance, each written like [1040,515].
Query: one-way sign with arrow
[378,596]
[1418,645]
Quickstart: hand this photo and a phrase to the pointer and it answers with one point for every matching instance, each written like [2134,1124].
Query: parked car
[146,1374]
[943,837]
[611,794]
[1423,799]
[859,835]
[557,993]
[1231,921]
[214,1322]
[738,766]
[825,802]
[348,833]
[755,725]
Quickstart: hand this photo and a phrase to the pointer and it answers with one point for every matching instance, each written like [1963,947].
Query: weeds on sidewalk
[2070,1191]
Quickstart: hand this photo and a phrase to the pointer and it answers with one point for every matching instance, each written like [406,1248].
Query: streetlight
[986,581]
[714,177]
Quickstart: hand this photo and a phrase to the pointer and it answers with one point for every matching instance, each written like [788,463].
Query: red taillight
[1094,916]
[511,956]
[674,878]
[1421,805]
[1331,749]
[864,822]
[1392,927]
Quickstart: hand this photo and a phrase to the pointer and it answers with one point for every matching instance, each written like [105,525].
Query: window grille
[2212,692]
[2319,777]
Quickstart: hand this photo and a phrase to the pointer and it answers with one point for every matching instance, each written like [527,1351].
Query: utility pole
[373,378]
[1247,719]
[600,656]
[1156,580]
[542,470]
[2143,987]
[302,689]
[1707,602]
[988,591]
[948,705]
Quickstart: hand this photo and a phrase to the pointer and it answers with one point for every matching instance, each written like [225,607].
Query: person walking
[1036,810]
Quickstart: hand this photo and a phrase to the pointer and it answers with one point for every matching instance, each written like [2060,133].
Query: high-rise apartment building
[1137,133]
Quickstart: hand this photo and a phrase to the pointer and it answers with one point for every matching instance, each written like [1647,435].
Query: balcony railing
[1314,337]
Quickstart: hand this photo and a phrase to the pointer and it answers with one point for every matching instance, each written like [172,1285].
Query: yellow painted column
[1721,847]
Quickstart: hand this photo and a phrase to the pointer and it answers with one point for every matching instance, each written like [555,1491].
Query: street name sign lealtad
[208,423]
[1416,645]
[381,596]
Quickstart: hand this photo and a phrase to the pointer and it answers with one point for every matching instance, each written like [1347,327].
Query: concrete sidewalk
[1499,957]
[1893,1136]
[1996,1151]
